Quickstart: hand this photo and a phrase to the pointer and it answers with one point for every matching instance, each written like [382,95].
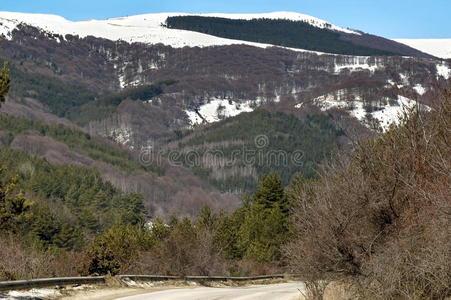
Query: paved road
[282,291]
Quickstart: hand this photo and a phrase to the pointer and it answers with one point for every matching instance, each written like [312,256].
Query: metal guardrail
[46,282]
[148,277]
[229,278]
[53,282]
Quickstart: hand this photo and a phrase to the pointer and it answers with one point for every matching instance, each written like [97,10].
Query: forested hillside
[95,82]
[56,95]
[49,209]
[66,203]
[165,188]
[76,102]
[375,223]
[287,33]
[60,220]
[107,104]
[80,141]
[233,154]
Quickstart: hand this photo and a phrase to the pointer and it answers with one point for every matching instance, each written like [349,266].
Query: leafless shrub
[381,218]
[314,289]
[21,262]
[183,252]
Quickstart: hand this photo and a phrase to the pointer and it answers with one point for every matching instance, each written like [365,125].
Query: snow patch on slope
[437,47]
[358,63]
[419,89]
[391,113]
[6,27]
[392,83]
[218,109]
[122,135]
[386,113]
[147,28]
[443,70]
[34,294]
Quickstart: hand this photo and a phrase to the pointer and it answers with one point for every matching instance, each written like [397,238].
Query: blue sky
[388,18]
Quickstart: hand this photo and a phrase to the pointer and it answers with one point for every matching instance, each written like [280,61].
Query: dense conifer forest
[288,146]
[104,105]
[287,33]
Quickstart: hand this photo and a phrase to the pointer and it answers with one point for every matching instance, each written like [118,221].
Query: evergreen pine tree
[69,237]
[265,226]
[271,194]
[227,234]
[206,219]
[4,82]
[13,206]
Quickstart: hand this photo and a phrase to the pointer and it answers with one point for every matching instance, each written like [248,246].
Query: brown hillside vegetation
[380,221]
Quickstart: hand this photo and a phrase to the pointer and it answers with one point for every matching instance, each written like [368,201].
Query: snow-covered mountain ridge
[146,28]
[437,47]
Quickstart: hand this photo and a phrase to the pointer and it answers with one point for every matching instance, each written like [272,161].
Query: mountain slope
[166,189]
[141,28]
[437,47]
[296,34]
[67,213]
[217,82]
[234,153]
[149,29]
[146,96]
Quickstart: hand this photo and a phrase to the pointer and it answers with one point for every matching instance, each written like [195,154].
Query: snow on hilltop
[437,47]
[145,28]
